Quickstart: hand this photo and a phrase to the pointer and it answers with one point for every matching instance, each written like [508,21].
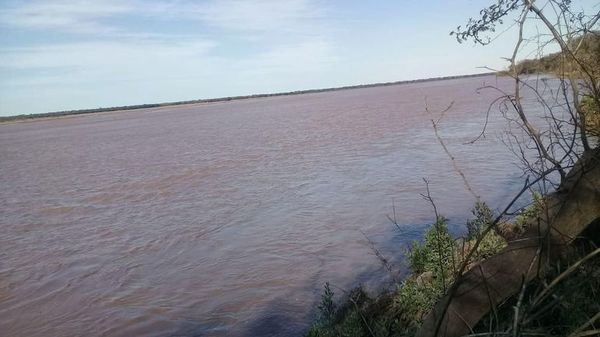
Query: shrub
[491,244]
[529,213]
[483,218]
[359,315]
[417,257]
[591,112]
[416,299]
[327,307]
[436,254]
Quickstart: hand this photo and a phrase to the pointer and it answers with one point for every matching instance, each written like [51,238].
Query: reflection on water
[226,218]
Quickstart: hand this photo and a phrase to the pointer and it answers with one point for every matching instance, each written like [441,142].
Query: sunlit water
[227,218]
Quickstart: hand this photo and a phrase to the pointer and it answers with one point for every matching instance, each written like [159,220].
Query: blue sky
[62,55]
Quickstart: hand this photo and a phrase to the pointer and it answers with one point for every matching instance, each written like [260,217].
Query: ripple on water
[226,218]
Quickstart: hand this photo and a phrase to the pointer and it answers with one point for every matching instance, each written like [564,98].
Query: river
[227,218]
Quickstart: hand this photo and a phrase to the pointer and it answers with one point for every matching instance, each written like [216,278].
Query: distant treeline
[588,52]
[223,99]
[586,49]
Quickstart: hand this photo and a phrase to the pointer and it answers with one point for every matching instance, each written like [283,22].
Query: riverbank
[224,99]
[433,262]
[563,299]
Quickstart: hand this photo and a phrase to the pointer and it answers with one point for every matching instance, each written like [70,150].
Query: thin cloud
[115,60]
[315,54]
[259,15]
[88,17]
[82,16]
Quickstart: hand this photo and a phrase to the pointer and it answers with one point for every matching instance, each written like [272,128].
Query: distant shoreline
[24,117]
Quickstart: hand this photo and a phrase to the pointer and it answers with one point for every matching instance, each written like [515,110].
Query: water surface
[227,218]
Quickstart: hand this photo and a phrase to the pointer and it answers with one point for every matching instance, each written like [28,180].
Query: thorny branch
[435,124]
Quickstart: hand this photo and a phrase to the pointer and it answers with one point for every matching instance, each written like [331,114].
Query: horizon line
[228,98]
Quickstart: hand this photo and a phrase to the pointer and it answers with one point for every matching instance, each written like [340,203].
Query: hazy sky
[62,55]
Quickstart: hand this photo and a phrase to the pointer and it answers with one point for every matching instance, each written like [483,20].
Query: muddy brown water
[227,218]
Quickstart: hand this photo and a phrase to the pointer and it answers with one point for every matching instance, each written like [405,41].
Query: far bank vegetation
[586,50]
